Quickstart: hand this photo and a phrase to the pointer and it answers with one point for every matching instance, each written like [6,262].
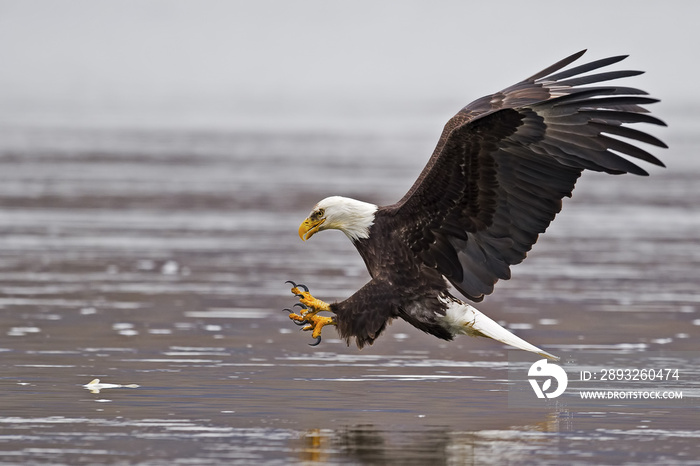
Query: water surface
[159,259]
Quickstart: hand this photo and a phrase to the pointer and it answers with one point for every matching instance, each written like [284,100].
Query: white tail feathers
[462,318]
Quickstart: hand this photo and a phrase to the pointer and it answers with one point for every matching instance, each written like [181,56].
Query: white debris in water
[22,331]
[520,326]
[95,386]
[212,328]
[170,268]
[122,326]
[548,321]
[125,328]
[86,311]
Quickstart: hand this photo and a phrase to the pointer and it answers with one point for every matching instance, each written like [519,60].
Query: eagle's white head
[350,216]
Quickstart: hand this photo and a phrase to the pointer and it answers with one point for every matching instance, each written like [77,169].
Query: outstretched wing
[503,164]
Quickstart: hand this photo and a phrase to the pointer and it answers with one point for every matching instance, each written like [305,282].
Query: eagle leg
[310,306]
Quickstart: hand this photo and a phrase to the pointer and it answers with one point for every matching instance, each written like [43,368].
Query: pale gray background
[314,64]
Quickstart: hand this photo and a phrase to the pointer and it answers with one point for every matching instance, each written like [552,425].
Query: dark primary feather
[503,164]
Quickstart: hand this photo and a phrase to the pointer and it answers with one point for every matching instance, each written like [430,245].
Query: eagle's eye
[318,214]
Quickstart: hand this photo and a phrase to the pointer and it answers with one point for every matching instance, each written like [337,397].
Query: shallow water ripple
[155,262]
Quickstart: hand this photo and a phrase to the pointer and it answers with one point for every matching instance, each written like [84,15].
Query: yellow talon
[317,323]
[308,315]
[309,301]
[297,317]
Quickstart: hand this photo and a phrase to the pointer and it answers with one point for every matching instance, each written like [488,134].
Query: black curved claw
[301,306]
[316,342]
[294,285]
[296,322]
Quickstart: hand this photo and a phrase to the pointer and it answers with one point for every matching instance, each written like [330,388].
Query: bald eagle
[495,181]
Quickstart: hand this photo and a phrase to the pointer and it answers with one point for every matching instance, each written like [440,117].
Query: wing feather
[629,133]
[585,68]
[503,164]
[556,67]
[599,77]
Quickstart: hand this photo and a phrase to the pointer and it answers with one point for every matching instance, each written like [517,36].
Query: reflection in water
[183,441]
[370,444]
[159,260]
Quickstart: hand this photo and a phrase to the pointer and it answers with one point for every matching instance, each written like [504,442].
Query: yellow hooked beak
[309,227]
